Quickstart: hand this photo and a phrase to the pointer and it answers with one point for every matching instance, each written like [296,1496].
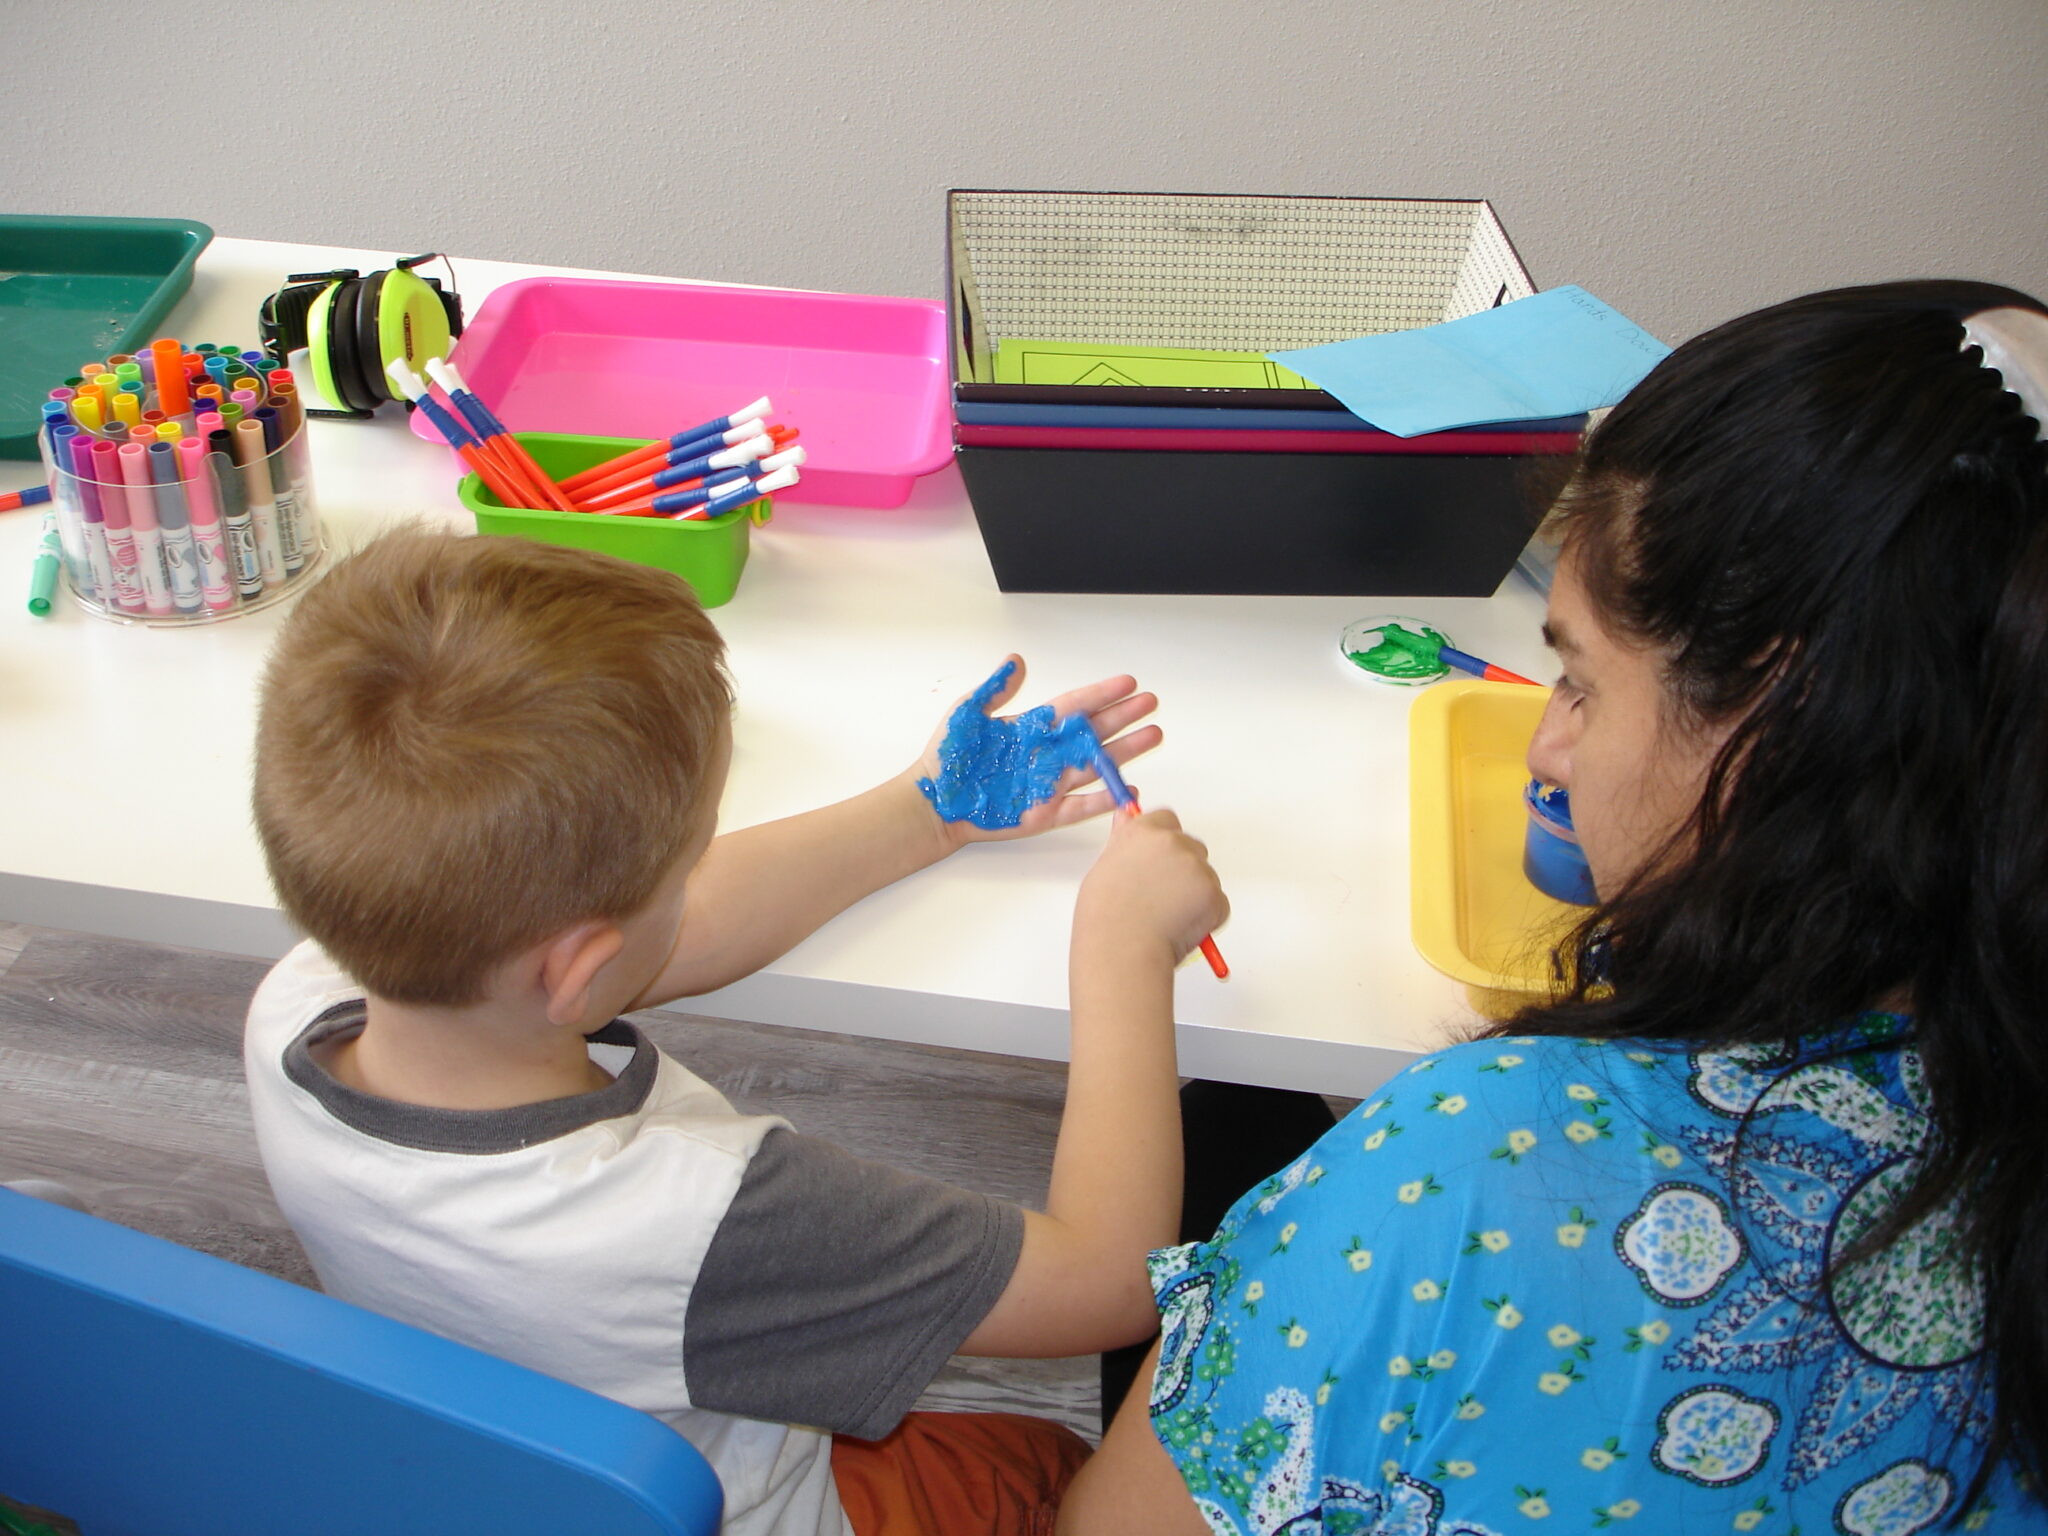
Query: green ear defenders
[354,327]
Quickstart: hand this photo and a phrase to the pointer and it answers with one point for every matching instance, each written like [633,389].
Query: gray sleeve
[835,1287]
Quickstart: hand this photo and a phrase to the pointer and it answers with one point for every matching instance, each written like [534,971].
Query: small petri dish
[1400,652]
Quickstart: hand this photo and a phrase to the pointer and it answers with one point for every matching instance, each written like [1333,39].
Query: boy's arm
[760,891]
[1130,1483]
[1080,1283]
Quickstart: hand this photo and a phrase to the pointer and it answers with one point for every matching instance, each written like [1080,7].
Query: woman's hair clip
[2015,342]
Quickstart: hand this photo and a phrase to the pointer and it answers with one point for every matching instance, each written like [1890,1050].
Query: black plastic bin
[1310,524]
[1075,491]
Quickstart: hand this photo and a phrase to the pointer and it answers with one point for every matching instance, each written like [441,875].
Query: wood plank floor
[120,1076]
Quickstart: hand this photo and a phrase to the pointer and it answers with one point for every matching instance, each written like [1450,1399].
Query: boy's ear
[570,964]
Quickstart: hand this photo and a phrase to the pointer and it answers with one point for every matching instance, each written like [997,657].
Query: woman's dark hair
[1830,520]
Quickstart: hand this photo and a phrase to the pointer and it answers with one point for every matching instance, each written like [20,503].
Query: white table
[125,803]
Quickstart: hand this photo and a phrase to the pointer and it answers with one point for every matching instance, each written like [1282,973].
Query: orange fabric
[958,1474]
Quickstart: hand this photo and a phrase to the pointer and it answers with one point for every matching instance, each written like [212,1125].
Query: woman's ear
[570,965]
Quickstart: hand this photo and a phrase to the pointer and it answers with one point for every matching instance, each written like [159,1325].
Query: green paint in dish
[1405,653]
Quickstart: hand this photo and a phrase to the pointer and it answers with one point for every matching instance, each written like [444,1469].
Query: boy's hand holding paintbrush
[1151,882]
[991,777]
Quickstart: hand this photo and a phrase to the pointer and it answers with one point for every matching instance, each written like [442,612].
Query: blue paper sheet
[1551,354]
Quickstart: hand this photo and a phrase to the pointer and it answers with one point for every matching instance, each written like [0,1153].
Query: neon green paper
[1083,362]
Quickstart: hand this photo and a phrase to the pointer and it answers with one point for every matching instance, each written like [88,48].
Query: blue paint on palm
[993,770]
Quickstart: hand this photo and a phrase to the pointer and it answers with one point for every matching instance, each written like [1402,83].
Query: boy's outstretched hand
[1112,705]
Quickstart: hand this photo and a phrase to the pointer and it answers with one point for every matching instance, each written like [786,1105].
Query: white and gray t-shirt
[645,1240]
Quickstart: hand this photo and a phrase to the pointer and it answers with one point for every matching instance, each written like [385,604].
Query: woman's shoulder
[1457,1298]
[1860,1081]
[1540,1145]
[1542,1094]
[1500,1127]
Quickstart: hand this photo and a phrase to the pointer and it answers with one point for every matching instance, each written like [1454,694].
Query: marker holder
[264,535]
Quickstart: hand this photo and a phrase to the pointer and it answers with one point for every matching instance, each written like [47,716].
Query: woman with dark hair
[1742,1231]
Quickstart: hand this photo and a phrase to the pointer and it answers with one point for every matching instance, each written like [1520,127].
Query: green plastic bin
[73,290]
[708,554]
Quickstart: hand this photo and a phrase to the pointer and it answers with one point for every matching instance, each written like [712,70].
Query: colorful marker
[252,459]
[42,581]
[216,582]
[97,560]
[67,497]
[126,593]
[142,523]
[232,495]
[291,421]
[174,528]
[170,376]
[283,493]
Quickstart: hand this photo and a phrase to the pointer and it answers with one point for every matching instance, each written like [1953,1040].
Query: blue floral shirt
[1532,1286]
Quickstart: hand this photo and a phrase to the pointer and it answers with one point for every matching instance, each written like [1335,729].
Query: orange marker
[170,376]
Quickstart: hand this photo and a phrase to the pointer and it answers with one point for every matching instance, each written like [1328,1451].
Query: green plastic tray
[76,289]
[709,555]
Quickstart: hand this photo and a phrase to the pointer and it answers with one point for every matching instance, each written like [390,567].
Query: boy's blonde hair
[469,743]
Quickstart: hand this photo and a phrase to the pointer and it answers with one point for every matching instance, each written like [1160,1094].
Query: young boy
[487,780]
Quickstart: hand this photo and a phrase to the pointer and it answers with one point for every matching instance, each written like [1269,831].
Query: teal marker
[42,583]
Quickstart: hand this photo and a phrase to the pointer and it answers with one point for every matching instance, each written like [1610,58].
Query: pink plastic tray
[862,378]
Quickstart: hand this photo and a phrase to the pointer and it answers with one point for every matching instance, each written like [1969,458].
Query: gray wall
[1685,160]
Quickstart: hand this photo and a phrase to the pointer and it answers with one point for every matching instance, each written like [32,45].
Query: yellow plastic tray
[1476,916]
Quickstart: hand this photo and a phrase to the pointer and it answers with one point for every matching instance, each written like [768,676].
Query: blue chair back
[150,1390]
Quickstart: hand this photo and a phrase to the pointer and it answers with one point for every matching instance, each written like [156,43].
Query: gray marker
[244,564]
[174,521]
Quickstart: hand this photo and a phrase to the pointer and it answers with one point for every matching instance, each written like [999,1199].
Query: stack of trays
[1120,430]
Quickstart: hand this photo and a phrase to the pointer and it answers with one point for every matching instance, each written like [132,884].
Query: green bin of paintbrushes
[708,553]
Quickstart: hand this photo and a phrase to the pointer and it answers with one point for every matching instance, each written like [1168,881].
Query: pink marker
[106,469]
[214,585]
[149,539]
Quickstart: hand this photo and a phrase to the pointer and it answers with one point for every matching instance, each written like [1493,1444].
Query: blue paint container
[1551,855]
